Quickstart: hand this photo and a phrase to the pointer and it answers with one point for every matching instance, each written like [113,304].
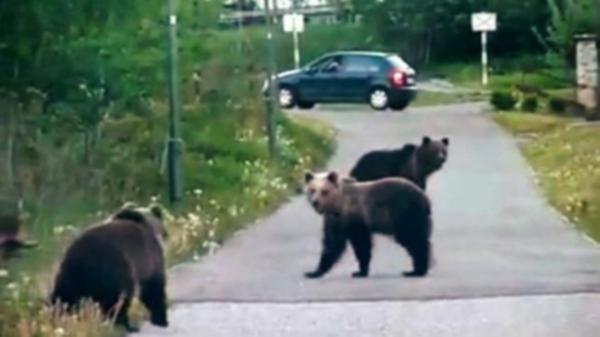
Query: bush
[502,100]
[529,104]
[557,105]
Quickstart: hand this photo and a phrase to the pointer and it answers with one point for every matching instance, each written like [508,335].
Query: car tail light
[398,78]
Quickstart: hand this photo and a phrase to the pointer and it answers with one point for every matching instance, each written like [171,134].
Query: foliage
[440,30]
[557,105]
[83,107]
[529,103]
[567,163]
[502,100]
[506,72]
[570,18]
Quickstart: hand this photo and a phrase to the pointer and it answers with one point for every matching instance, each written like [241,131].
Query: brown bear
[354,210]
[109,261]
[412,162]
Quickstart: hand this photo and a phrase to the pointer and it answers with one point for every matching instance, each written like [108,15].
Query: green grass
[530,124]
[504,73]
[566,160]
[428,98]
[229,181]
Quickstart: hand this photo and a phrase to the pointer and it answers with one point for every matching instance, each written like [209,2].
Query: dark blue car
[383,80]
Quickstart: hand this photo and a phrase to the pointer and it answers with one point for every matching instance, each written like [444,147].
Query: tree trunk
[427,59]
[10,147]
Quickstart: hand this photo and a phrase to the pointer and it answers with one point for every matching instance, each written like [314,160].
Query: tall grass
[229,179]
[566,160]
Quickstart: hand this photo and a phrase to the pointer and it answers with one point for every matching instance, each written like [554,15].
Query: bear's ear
[130,215]
[157,212]
[446,141]
[426,140]
[332,177]
[129,205]
[308,177]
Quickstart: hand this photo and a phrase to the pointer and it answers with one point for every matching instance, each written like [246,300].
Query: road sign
[293,23]
[483,22]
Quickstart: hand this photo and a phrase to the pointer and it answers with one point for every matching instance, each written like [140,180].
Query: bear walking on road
[412,162]
[109,261]
[353,211]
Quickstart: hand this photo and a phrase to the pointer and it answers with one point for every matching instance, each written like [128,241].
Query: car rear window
[398,62]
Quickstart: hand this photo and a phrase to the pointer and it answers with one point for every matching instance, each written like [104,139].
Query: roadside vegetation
[566,159]
[83,130]
[84,114]
[537,104]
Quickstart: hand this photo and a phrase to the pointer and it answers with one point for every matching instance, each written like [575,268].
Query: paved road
[506,262]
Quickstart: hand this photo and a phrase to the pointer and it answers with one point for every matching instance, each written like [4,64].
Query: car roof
[360,53]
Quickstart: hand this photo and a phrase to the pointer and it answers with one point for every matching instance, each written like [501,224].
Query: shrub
[529,104]
[502,100]
[557,105]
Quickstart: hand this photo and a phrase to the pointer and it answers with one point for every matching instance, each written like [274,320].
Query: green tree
[441,29]
[570,18]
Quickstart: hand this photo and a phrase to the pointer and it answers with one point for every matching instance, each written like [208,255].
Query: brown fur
[353,211]
[109,261]
[412,162]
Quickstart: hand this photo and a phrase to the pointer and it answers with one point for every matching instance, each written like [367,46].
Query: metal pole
[296,46]
[295,35]
[174,144]
[240,26]
[597,60]
[484,59]
[271,99]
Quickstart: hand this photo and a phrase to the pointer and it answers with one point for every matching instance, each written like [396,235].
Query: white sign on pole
[483,22]
[293,23]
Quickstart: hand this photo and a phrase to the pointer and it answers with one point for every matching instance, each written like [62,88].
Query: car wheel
[286,98]
[306,105]
[400,104]
[379,99]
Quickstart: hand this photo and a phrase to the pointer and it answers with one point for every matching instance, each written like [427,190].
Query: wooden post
[587,71]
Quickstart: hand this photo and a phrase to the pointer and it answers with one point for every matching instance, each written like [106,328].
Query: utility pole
[174,143]
[598,59]
[272,103]
[295,34]
[240,23]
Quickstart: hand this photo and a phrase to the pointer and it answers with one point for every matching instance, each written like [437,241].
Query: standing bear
[109,261]
[355,210]
[412,162]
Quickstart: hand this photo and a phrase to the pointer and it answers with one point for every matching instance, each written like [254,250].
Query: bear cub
[353,211]
[109,261]
[412,162]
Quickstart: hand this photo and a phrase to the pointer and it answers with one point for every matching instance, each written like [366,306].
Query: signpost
[484,22]
[174,144]
[271,98]
[294,23]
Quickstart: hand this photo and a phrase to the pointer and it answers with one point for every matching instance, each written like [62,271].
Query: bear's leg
[334,244]
[420,253]
[153,295]
[122,317]
[360,239]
